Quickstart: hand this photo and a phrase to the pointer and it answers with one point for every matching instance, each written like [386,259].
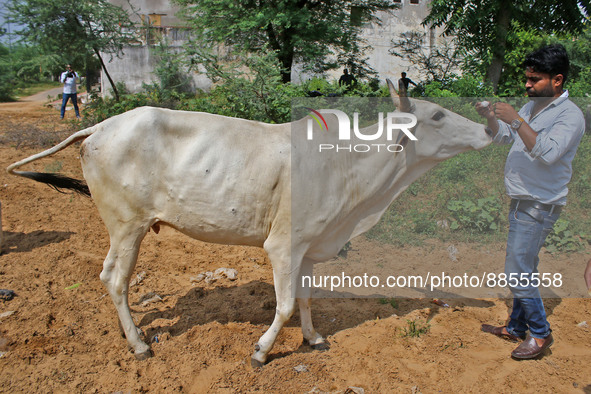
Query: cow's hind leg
[117,270]
[283,272]
[315,340]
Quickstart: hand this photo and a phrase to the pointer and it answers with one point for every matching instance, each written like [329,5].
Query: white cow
[227,180]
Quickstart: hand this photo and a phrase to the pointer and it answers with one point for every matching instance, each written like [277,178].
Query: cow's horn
[393,93]
[400,102]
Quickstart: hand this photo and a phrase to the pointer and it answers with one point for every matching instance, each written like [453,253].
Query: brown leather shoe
[530,348]
[498,331]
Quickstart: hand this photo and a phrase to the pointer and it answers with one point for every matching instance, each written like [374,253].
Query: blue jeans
[526,238]
[74,98]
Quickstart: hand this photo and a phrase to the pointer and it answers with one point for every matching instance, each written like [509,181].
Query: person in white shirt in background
[69,79]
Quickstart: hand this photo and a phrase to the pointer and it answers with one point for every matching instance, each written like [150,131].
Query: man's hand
[587,276]
[485,110]
[505,112]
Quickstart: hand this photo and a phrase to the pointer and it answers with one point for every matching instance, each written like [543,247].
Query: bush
[482,215]
[562,239]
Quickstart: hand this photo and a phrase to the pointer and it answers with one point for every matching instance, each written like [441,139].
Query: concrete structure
[136,66]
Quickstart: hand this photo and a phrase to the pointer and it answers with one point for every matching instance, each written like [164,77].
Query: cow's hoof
[321,346]
[143,355]
[256,363]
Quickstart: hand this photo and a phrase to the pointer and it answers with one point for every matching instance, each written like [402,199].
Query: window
[414,1]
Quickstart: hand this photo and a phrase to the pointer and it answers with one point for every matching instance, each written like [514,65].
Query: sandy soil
[63,335]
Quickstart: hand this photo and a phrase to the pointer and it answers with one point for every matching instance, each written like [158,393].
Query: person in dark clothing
[347,79]
[403,83]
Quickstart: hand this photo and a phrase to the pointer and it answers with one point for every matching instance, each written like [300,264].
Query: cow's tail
[58,182]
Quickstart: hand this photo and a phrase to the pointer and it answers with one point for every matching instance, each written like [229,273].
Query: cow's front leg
[283,273]
[117,269]
[315,340]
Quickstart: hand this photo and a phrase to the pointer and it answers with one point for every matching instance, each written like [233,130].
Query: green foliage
[580,86]
[482,215]
[434,63]
[174,81]
[415,328]
[7,75]
[312,33]
[485,28]
[563,239]
[467,85]
[392,301]
[254,91]
[77,30]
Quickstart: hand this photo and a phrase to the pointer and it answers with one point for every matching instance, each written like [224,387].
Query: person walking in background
[403,84]
[545,134]
[69,79]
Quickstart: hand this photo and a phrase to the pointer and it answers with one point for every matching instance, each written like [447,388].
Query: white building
[135,66]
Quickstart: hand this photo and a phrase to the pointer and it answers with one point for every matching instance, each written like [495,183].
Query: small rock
[354,390]
[229,273]
[198,278]
[209,277]
[138,279]
[7,295]
[6,314]
[149,298]
[301,368]
[583,324]
[4,342]
[444,224]
[453,251]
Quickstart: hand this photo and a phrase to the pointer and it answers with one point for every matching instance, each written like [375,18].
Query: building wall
[137,63]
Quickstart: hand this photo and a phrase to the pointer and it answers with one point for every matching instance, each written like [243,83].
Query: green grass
[415,328]
[423,211]
[36,88]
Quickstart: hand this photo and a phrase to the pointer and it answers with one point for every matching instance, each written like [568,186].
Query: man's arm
[507,114]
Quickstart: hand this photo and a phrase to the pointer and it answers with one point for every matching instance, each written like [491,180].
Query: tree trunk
[503,22]
[286,60]
[284,52]
[104,67]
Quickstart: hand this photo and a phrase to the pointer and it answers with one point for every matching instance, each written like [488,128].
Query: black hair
[550,59]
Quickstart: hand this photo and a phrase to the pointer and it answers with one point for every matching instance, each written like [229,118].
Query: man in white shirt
[68,78]
[545,134]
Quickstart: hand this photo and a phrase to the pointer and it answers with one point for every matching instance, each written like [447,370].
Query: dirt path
[60,333]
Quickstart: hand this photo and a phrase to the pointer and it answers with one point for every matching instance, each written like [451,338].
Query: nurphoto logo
[397,126]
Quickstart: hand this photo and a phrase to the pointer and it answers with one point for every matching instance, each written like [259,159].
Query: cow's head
[441,133]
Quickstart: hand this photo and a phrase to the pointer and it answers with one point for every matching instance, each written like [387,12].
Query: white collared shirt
[543,174]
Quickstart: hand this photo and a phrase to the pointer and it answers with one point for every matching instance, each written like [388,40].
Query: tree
[437,63]
[77,29]
[314,33]
[483,26]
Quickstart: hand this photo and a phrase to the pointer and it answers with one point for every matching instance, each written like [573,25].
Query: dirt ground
[62,334]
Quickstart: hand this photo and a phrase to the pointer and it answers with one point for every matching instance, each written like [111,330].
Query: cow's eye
[438,115]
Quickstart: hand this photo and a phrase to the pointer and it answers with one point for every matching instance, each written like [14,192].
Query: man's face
[542,84]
